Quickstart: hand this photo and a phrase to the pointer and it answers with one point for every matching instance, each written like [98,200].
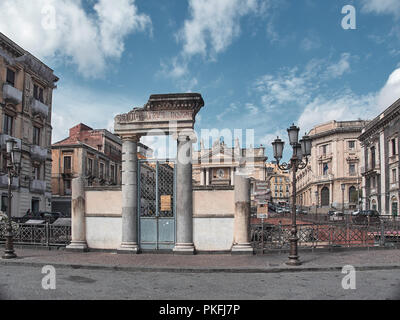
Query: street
[25,282]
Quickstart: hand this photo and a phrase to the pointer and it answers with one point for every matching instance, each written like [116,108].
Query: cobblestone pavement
[25,282]
[389,259]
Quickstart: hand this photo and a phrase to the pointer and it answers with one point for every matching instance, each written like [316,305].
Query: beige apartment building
[279,182]
[95,154]
[26,89]
[332,178]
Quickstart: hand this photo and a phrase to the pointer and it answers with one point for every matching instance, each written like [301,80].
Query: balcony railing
[5,137]
[40,108]
[38,153]
[4,182]
[38,186]
[11,94]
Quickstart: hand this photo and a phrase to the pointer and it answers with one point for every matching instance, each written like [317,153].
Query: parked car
[336,216]
[29,216]
[50,217]
[367,216]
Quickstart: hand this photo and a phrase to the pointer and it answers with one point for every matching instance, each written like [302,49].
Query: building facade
[332,178]
[279,182]
[26,90]
[381,169]
[217,166]
[95,155]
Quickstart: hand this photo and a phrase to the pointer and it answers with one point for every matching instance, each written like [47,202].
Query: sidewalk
[382,259]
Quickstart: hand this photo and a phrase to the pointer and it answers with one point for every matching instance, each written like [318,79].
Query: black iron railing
[39,234]
[327,234]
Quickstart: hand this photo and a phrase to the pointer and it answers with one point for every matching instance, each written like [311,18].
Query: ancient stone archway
[169,114]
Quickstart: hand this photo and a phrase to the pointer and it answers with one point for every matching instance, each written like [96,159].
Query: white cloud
[338,69]
[299,86]
[62,28]
[253,110]
[350,106]
[341,106]
[382,6]
[310,43]
[73,104]
[391,91]
[213,25]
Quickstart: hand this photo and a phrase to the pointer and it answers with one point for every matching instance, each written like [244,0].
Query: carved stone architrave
[161,115]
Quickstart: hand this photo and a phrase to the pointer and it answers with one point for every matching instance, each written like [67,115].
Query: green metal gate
[157,203]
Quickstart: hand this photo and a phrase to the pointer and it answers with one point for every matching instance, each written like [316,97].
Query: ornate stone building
[381,168]
[95,155]
[217,166]
[26,88]
[335,161]
[279,182]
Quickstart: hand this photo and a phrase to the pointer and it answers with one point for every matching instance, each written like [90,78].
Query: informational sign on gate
[166,203]
[261,192]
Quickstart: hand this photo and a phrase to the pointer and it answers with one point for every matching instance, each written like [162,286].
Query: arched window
[353,194]
[325,196]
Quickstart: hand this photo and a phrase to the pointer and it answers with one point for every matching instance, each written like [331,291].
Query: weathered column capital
[185,135]
[131,137]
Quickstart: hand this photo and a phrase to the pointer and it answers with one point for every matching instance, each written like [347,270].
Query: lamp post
[13,169]
[301,149]
[343,186]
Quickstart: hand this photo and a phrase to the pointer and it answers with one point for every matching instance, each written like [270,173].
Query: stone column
[129,195]
[184,197]
[207,176]
[78,222]
[202,177]
[232,176]
[241,235]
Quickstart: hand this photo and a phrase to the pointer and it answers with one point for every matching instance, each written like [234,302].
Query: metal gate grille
[156,204]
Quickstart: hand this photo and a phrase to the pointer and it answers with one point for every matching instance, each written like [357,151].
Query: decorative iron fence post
[47,234]
[382,237]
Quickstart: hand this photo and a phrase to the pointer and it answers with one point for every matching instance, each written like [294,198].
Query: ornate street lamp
[301,150]
[13,170]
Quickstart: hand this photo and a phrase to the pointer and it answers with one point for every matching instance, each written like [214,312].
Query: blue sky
[259,64]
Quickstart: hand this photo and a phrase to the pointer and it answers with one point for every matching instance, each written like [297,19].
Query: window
[4,203]
[36,136]
[394,149]
[10,77]
[8,125]
[67,163]
[38,93]
[352,145]
[67,187]
[324,149]
[394,175]
[101,170]
[112,173]
[352,169]
[373,157]
[325,169]
[36,173]
[90,167]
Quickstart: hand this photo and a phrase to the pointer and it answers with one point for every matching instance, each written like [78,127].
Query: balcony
[11,94]
[40,108]
[38,153]
[4,182]
[324,178]
[5,137]
[38,186]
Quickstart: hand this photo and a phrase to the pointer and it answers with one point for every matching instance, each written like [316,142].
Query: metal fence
[327,234]
[40,235]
